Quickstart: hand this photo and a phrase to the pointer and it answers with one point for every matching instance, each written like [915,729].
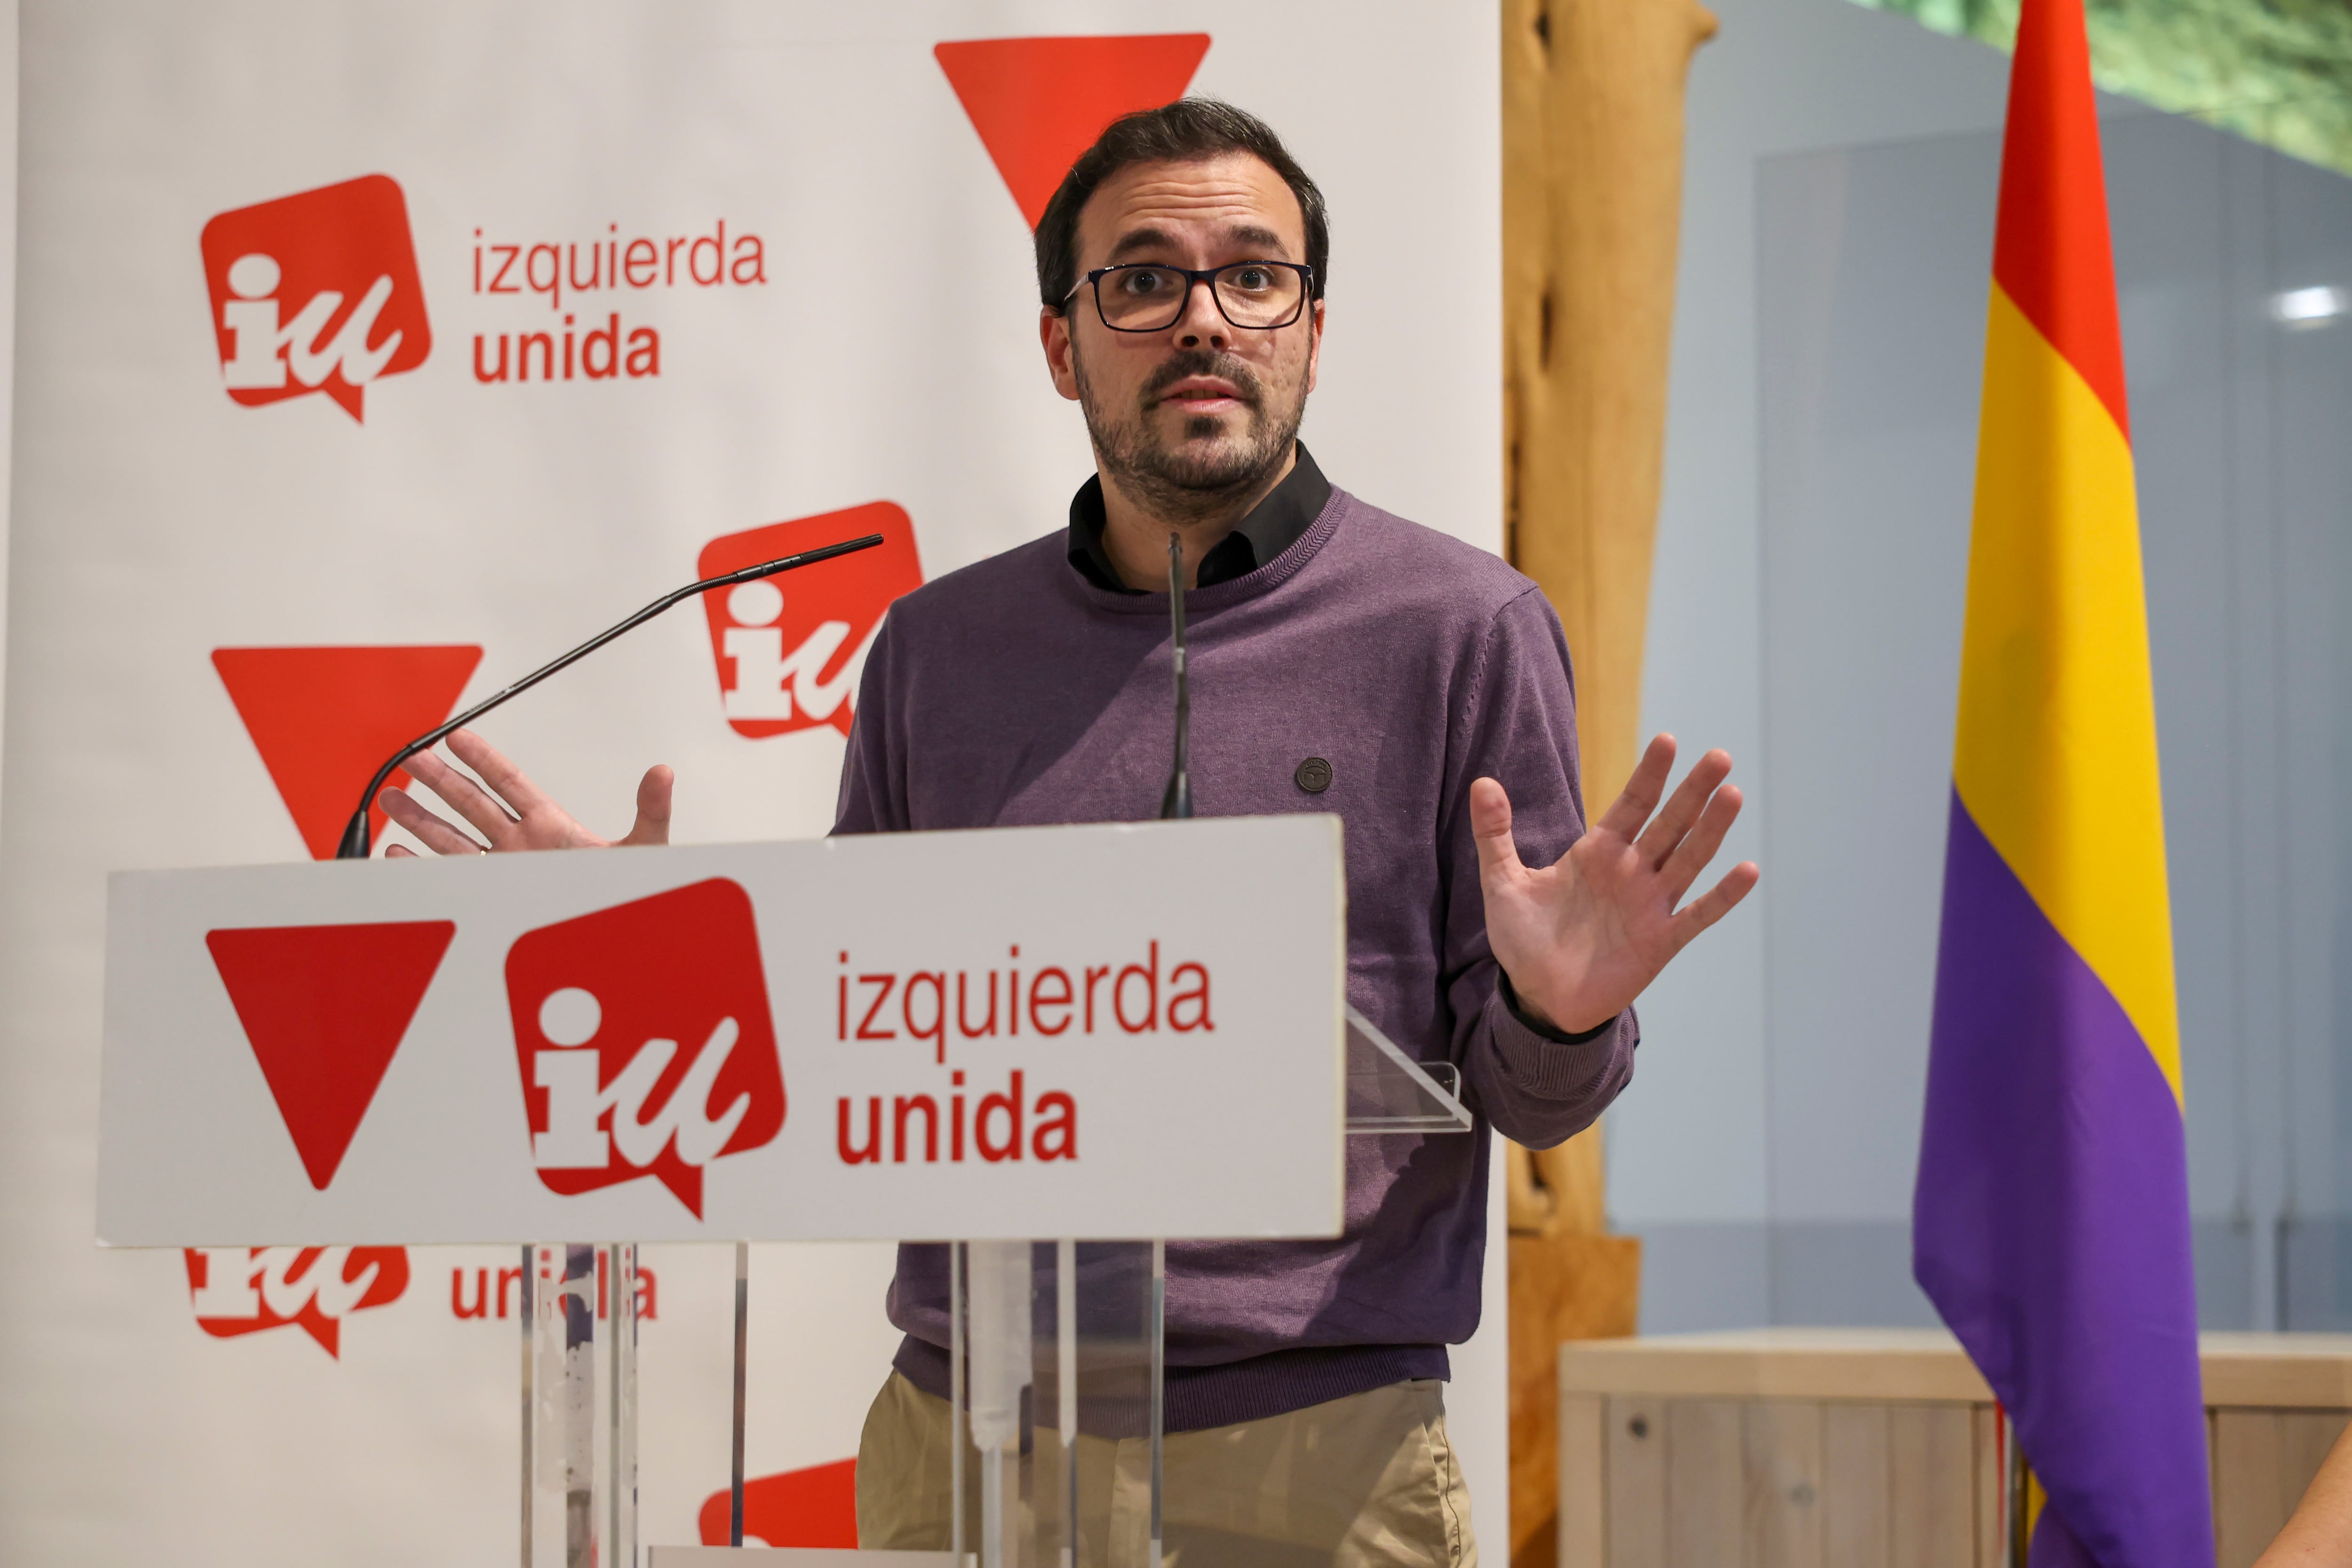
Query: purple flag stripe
[2054,1546]
[2050,1226]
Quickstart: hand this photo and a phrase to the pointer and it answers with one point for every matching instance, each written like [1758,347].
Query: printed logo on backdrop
[644,1041]
[244,1290]
[815,1506]
[315,293]
[584,297]
[790,649]
[506,1289]
[1037,104]
[324,1009]
[324,719]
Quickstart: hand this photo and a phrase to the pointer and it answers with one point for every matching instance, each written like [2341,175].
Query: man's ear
[1314,343]
[1053,334]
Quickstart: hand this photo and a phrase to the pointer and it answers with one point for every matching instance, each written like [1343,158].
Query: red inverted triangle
[324,1008]
[1038,103]
[324,719]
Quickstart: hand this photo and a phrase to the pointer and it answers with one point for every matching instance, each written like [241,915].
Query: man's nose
[1202,324]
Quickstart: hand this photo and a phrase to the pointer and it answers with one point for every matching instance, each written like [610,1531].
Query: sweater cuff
[1537,1026]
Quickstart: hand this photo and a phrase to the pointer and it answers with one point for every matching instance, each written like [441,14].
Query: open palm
[1584,936]
[513,813]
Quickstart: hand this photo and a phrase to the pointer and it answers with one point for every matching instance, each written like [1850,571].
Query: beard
[1202,476]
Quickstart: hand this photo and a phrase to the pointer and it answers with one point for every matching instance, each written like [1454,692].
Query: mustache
[1189,363]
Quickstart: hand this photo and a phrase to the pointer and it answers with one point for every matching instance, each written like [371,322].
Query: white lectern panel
[1124,1030]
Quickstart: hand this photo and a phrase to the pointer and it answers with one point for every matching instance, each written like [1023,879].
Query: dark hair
[1185,131]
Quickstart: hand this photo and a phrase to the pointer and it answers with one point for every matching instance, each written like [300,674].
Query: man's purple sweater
[1017,692]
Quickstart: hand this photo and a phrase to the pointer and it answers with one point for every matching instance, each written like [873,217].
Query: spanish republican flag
[2051,1222]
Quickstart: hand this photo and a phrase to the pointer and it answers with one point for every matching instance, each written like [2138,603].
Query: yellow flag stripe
[2056,755]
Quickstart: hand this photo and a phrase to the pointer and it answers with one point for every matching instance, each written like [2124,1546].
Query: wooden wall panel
[1635,1445]
[1781,1483]
[2305,1438]
[2248,1502]
[1809,1448]
[2262,1461]
[1857,1486]
[1985,1475]
[1706,1484]
[1932,1490]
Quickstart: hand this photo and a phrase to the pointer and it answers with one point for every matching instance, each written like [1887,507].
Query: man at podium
[1344,660]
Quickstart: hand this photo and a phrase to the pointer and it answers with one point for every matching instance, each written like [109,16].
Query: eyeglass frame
[1194,275]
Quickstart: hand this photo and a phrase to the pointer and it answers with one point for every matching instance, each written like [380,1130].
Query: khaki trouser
[1365,1480]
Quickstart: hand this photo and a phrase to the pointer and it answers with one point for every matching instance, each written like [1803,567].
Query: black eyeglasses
[1257,295]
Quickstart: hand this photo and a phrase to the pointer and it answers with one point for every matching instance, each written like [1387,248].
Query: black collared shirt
[1272,526]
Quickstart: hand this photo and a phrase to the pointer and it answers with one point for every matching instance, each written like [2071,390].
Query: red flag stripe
[2051,252]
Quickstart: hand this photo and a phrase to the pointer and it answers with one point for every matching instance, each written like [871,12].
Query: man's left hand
[1581,938]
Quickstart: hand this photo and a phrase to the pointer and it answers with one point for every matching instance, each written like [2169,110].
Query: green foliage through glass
[2274,71]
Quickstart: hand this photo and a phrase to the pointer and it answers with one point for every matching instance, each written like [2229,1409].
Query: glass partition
[2234,275]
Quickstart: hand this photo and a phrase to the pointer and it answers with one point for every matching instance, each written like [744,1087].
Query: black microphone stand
[1178,801]
[355,845]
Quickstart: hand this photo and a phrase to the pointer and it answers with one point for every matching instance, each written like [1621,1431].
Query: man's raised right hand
[512,813]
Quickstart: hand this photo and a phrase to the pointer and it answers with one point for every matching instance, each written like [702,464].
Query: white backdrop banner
[370,354]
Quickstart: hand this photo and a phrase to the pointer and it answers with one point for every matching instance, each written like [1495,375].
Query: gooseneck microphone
[1178,801]
[355,845]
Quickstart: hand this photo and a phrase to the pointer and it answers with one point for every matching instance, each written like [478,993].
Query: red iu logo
[790,649]
[316,292]
[644,1041]
[244,1289]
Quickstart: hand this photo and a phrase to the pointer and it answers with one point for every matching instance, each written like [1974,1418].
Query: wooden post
[1592,140]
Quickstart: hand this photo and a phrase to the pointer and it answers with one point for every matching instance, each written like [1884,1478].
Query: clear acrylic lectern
[733,965]
[1055,1362]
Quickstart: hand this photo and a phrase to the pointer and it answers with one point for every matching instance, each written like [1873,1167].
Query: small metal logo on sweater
[1314,775]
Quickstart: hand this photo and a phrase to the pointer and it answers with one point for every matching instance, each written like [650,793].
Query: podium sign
[1095,1032]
